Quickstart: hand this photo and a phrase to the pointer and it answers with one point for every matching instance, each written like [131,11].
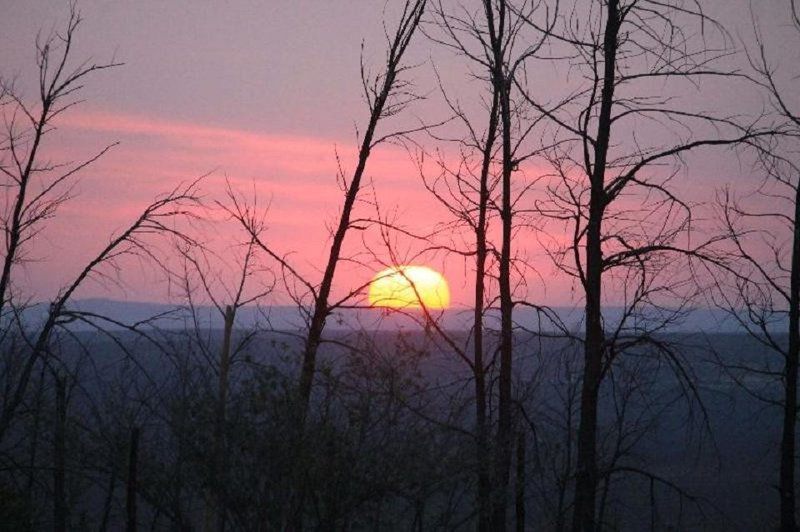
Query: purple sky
[264,92]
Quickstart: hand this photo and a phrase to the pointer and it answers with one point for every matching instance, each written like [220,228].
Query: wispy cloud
[294,175]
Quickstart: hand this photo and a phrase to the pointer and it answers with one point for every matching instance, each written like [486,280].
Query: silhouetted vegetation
[214,412]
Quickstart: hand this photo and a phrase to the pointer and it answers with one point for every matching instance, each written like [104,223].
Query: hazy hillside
[289,318]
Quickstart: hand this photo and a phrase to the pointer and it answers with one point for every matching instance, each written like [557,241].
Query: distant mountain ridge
[163,315]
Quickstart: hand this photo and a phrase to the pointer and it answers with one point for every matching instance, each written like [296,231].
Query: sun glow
[409,287]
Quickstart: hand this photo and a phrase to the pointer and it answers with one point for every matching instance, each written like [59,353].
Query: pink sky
[292,176]
[262,94]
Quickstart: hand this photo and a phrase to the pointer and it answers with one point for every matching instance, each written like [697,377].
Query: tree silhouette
[760,281]
[627,223]
[493,38]
[39,187]
[387,94]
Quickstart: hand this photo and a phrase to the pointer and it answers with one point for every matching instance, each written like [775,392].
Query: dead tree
[202,279]
[602,158]
[387,95]
[491,37]
[502,76]
[37,187]
[760,285]
[131,494]
[60,517]
[468,191]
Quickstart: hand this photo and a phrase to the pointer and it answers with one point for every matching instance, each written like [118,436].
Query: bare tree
[760,286]
[468,199]
[493,39]
[387,95]
[199,278]
[37,188]
[602,160]
[503,73]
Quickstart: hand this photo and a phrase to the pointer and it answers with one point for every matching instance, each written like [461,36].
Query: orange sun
[409,287]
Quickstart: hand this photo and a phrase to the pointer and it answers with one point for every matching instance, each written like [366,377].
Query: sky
[265,95]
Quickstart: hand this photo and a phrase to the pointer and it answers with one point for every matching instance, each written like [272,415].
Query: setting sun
[409,287]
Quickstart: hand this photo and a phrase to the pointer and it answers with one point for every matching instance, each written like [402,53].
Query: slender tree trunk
[504,433]
[586,474]
[566,472]
[419,517]
[407,27]
[34,448]
[133,458]
[605,484]
[321,303]
[586,478]
[496,22]
[653,512]
[322,308]
[220,469]
[14,233]
[482,440]
[520,483]
[112,482]
[787,468]
[59,458]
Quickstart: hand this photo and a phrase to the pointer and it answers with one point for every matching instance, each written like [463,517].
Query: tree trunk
[407,27]
[133,457]
[566,472]
[504,442]
[34,447]
[220,470]
[482,454]
[112,482]
[322,308]
[586,477]
[520,483]
[586,474]
[504,433]
[787,468]
[59,458]
[14,233]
